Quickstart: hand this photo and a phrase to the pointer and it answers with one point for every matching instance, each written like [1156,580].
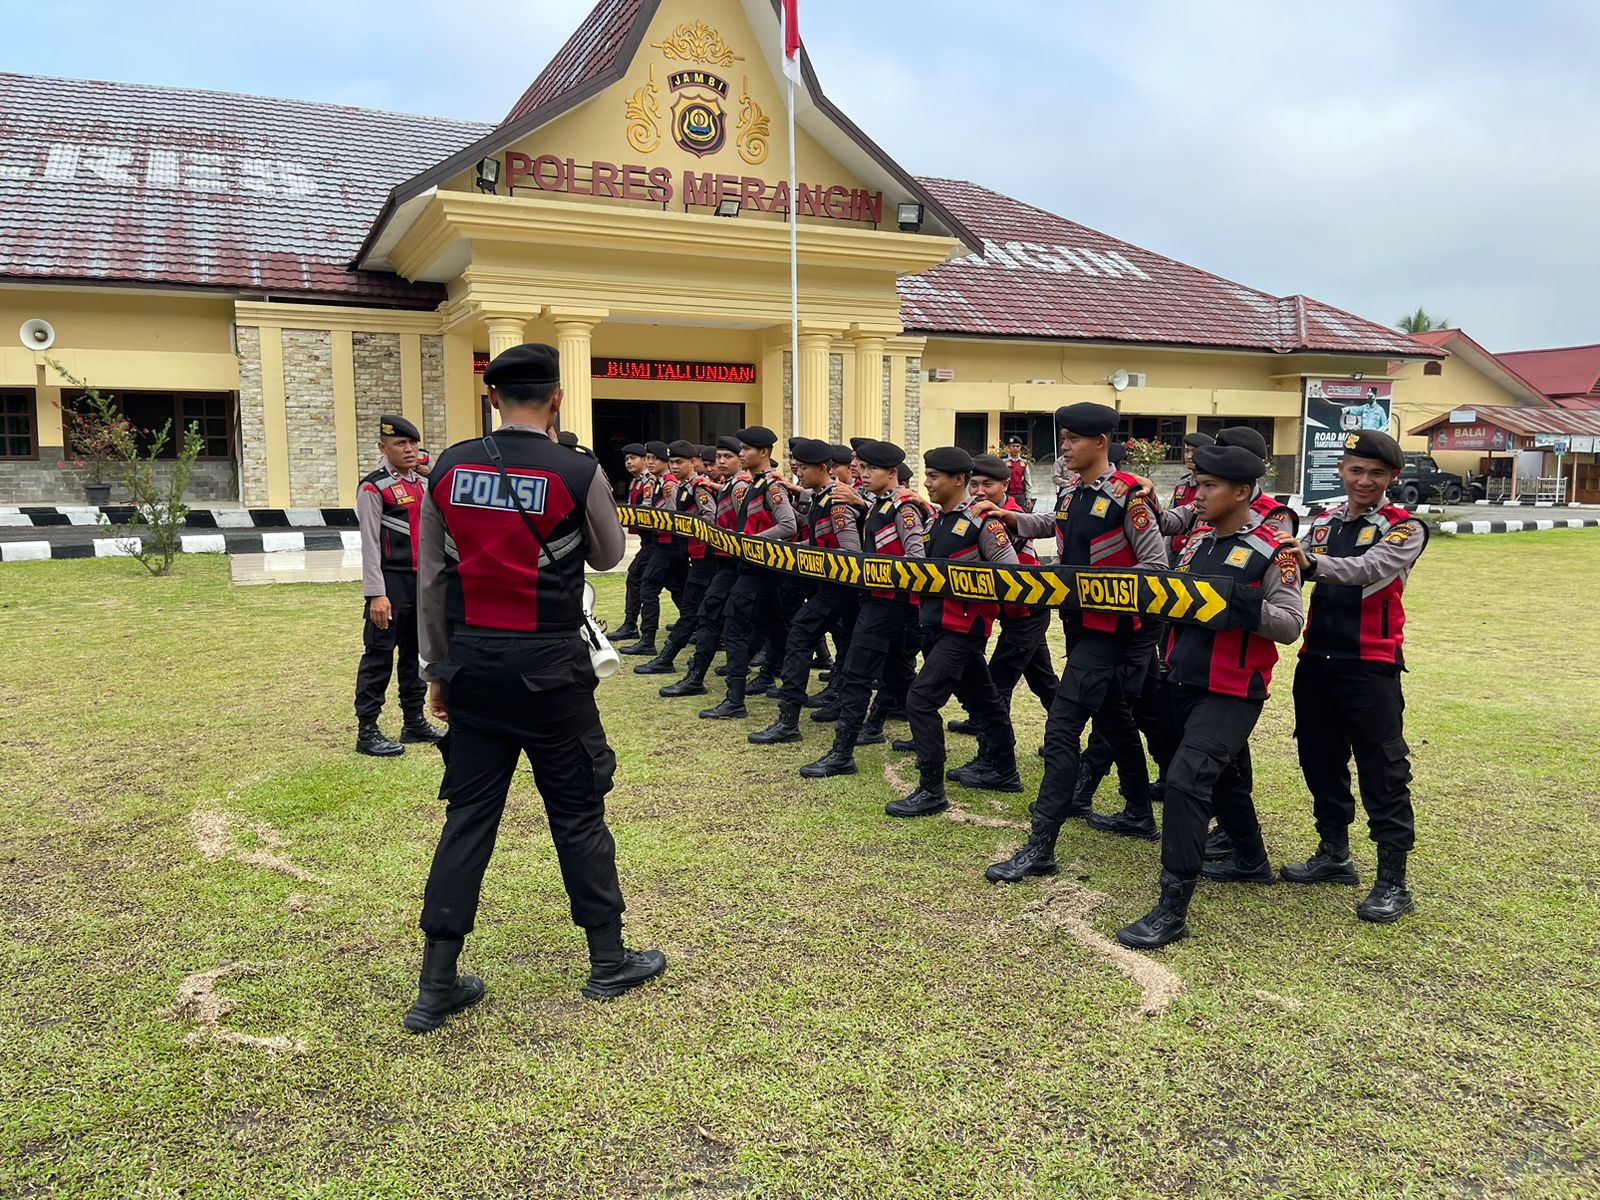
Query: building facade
[281,272]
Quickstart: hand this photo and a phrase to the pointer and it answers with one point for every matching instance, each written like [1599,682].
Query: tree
[1421,322]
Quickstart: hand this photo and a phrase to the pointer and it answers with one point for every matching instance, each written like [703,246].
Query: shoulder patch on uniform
[997,530]
[1140,514]
[908,517]
[1399,535]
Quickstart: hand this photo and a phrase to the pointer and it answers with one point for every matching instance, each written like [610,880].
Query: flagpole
[794,276]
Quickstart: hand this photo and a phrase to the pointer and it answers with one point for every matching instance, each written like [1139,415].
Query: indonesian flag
[791,39]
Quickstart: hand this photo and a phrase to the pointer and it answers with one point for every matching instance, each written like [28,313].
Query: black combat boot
[1390,898]
[1088,784]
[966,725]
[839,760]
[370,740]
[903,745]
[928,799]
[645,645]
[1135,821]
[661,664]
[416,730]
[994,772]
[980,759]
[871,733]
[785,729]
[440,990]
[692,684]
[1330,864]
[828,713]
[1248,864]
[621,634]
[1037,857]
[1218,845]
[614,969]
[732,706]
[822,699]
[1167,922]
[822,660]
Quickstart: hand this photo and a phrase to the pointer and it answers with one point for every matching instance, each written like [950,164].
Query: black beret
[758,436]
[880,454]
[1243,435]
[1117,452]
[659,449]
[1371,443]
[991,467]
[634,448]
[1199,439]
[1236,464]
[1087,420]
[567,438]
[857,442]
[1014,440]
[903,473]
[532,363]
[950,460]
[728,443]
[708,453]
[842,455]
[390,425]
[683,448]
[811,451]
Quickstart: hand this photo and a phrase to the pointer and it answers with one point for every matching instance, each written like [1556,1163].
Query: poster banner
[1334,409]
[1471,437]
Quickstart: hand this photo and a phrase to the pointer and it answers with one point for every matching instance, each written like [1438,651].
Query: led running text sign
[656,370]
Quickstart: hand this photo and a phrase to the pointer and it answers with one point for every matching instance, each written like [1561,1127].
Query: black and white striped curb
[1531,525]
[201,518]
[1443,508]
[265,542]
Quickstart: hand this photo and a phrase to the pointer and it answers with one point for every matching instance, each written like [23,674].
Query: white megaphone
[602,655]
[37,334]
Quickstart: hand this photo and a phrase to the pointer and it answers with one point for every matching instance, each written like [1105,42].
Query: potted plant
[98,436]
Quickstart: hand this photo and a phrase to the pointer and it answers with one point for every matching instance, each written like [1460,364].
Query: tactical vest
[1232,662]
[1017,485]
[1347,620]
[880,534]
[1026,557]
[402,517]
[822,532]
[727,506]
[754,515]
[1183,493]
[688,503]
[955,536]
[659,499]
[1090,532]
[496,575]
[1270,507]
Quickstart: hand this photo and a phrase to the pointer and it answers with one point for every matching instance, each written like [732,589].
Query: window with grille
[18,430]
[151,411]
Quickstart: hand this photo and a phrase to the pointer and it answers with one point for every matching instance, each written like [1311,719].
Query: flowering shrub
[1144,453]
[98,435]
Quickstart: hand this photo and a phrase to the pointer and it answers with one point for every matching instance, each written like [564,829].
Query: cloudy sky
[1375,154]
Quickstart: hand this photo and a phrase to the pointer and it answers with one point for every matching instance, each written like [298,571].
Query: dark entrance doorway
[972,432]
[618,422]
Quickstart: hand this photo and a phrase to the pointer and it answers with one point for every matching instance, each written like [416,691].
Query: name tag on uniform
[1101,507]
[1238,556]
[1364,538]
[962,526]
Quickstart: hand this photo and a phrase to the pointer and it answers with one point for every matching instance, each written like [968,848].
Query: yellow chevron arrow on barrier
[853,570]
[1013,585]
[1182,599]
[1036,588]
[1214,603]
[936,575]
[902,576]
[1160,593]
[1056,588]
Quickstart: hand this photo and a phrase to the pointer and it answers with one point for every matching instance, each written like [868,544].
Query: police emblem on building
[698,122]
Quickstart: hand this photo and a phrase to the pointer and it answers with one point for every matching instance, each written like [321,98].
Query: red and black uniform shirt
[1230,662]
[1017,485]
[728,497]
[696,497]
[400,519]
[1362,621]
[496,574]
[957,537]
[1183,492]
[893,526]
[1095,527]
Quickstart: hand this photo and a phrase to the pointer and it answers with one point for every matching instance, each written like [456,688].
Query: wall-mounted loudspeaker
[37,334]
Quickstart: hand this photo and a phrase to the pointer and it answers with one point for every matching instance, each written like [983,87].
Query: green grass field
[850,1010]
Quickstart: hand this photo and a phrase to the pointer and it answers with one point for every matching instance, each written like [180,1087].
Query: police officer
[833,525]
[388,509]
[955,635]
[893,526]
[1183,491]
[695,496]
[1019,488]
[1103,522]
[1219,683]
[638,490]
[507,525]
[751,613]
[669,562]
[1347,697]
[713,607]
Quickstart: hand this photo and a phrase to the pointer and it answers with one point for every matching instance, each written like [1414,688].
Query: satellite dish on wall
[37,334]
[1118,380]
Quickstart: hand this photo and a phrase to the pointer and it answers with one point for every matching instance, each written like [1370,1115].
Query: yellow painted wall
[598,130]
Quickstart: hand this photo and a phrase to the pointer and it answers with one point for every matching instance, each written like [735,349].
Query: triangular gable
[594,72]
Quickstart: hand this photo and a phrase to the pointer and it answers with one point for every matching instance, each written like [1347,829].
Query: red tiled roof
[1458,344]
[1041,275]
[126,183]
[586,55]
[1527,421]
[1434,337]
[1561,371]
